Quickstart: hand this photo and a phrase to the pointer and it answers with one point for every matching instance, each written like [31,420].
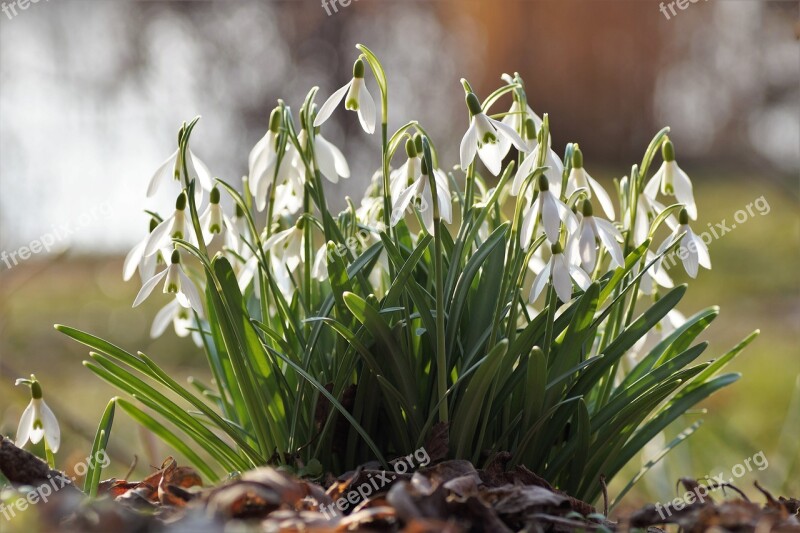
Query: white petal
[469,145]
[580,276]
[320,269]
[651,189]
[25,425]
[366,110]
[683,191]
[257,150]
[609,236]
[189,289]
[443,193]
[200,170]
[163,318]
[550,219]
[159,237]
[330,104]
[528,224]
[539,282]
[492,156]
[524,170]
[167,168]
[602,197]
[508,132]
[702,250]
[689,253]
[561,277]
[402,201]
[567,216]
[587,245]
[133,259]
[52,433]
[148,287]
[669,241]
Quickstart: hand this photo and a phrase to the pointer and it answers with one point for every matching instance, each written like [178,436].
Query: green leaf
[99,445]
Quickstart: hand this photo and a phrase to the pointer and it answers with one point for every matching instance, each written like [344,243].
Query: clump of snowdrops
[527,311]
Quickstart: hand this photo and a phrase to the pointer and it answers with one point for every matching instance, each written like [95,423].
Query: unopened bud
[358,68]
[473,104]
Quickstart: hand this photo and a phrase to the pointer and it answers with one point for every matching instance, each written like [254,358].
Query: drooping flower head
[560,271]
[672,181]
[176,283]
[692,251]
[580,179]
[37,420]
[358,99]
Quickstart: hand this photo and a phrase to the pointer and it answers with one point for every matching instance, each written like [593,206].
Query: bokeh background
[92,94]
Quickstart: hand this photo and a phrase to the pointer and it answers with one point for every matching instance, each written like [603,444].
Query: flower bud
[418,142]
[411,149]
[530,129]
[215,195]
[577,158]
[176,257]
[473,104]
[358,68]
[683,217]
[180,203]
[587,208]
[668,151]
[275,120]
[36,390]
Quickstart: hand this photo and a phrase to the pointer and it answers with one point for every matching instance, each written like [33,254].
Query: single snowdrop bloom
[555,168]
[287,201]
[580,179]
[483,138]
[591,231]
[173,313]
[175,227]
[408,171]
[358,99]
[234,237]
[693,252]
[286,247]
[560,271]
[552,212]
[420,193]
[173,166]
[37,420]
[137,260]
[262,160]
[672,180]
[177,283]
[527,123]
[214,221]
[330,160]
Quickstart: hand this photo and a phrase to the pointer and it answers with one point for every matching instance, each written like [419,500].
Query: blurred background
[92,94]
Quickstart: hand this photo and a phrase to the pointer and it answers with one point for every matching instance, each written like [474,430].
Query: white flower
[408,171]
[136,260]
[560,271]
[175,226]
[483,138]
[177,283]
[287,201]
[651,276]
[262,160]
[672,181]
[214,221]
[693,252]
[580,179]
[173,166]
[358,99]
[517,120]
[330,160]
[552,210]
[286,247]
[38,420]
[591,230]
[555,168]
[420,192]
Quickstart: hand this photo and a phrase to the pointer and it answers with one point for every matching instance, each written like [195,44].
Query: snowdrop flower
[173,166]
[286,247]
[177,283]
[175,313]
[526,122]
[37,420]
[136,260]
[262,160]
[420,192]
[408,171]
[560,271]
[287,201]
[554,171]
[213,221]
[176,226]
[552,211]
[358,99]
[234,237]
[483,138]
[591,230]
[693,252]
[330,160]
[580,179]
[652,277]
[672,181]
